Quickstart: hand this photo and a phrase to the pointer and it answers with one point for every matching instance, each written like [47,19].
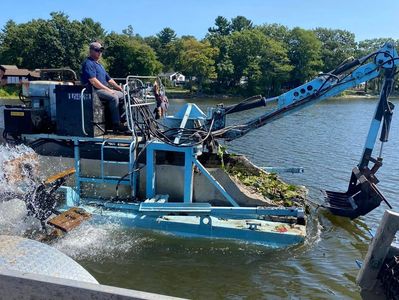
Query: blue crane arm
[323,87]
[362,195]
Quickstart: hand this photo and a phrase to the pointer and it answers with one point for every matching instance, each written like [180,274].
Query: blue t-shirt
[91,69]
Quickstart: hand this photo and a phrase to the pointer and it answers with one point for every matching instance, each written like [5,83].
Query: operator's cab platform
[71,110]
[67,108]
[55,114]
[79,112]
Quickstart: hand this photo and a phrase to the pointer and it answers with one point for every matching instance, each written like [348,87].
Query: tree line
[235,56]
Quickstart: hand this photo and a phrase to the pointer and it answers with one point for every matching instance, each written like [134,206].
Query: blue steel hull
[267,233]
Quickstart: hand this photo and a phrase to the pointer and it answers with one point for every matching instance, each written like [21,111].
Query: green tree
[57,42]
[128,31]
[224,64]
[275,66]
[197,59]
[166,50]
[166,36]
[129,56]
[240,23]
[262,60]
[69,39]
[153,42]
[92,31]
[245,54]
[35,44]
[222,27]
[305,55]
[8,54]
[275,31]
[337,45]
[368,46]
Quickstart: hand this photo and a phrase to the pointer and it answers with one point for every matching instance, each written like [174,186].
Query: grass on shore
[9,92]
[177,90]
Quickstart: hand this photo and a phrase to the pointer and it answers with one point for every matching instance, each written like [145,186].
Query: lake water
[327,141]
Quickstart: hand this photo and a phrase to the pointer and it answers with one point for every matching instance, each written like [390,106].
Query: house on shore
[176,78]
[10,75]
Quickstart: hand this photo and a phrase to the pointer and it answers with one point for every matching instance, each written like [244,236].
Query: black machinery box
[21,120]
[69,112]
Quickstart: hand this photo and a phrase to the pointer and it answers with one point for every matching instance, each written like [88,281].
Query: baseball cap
[96,46]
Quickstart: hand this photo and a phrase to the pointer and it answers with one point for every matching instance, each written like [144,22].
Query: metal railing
[129,105]
[83,111]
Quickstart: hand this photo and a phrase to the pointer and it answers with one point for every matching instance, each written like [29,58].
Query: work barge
[160,168]
[172,175]
[170,181]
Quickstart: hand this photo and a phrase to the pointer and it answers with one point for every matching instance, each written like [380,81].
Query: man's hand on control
[118,88]
[115,85]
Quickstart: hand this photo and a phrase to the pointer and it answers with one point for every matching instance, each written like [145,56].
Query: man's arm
[98,85]
[89,72]
[115,85]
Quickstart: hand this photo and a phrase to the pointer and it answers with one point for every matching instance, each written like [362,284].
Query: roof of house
[34,73]
[12,70]
[8,67]
[16,72]
[168,74]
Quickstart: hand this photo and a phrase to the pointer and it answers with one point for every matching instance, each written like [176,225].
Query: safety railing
[83,111]
[129,105]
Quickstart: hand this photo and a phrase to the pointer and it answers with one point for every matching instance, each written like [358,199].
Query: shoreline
[230,97]
[237,97]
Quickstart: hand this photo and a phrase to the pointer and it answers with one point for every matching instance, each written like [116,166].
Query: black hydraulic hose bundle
[151,128]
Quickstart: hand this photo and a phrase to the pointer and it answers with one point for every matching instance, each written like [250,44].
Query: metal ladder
[131,176]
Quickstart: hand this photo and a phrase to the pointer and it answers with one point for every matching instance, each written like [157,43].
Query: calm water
[327,140]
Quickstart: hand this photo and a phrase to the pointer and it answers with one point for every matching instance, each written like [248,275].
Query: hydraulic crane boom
[362,195]
[325,86]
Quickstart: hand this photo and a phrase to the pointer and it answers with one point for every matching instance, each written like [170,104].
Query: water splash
[95,242]
[18,173]
[14,219]
[19,168]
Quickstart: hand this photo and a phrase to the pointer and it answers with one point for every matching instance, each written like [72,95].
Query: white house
[175,77]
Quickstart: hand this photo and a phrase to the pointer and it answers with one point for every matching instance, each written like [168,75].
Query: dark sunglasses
[98,50]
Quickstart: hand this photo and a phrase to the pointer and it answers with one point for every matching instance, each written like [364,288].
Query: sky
[367,18]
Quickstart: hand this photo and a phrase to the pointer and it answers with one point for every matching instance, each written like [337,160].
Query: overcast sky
[367,19]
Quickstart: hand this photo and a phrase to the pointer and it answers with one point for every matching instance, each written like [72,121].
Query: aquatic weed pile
[269,185]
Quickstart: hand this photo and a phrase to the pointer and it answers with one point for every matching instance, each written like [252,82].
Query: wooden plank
[60,175]
[69,219]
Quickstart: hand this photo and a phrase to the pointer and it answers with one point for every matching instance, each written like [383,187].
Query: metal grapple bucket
[362,197]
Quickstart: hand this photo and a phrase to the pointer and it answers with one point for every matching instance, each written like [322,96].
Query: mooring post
[378,250]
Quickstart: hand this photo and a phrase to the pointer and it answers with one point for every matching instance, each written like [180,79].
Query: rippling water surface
[327,141]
